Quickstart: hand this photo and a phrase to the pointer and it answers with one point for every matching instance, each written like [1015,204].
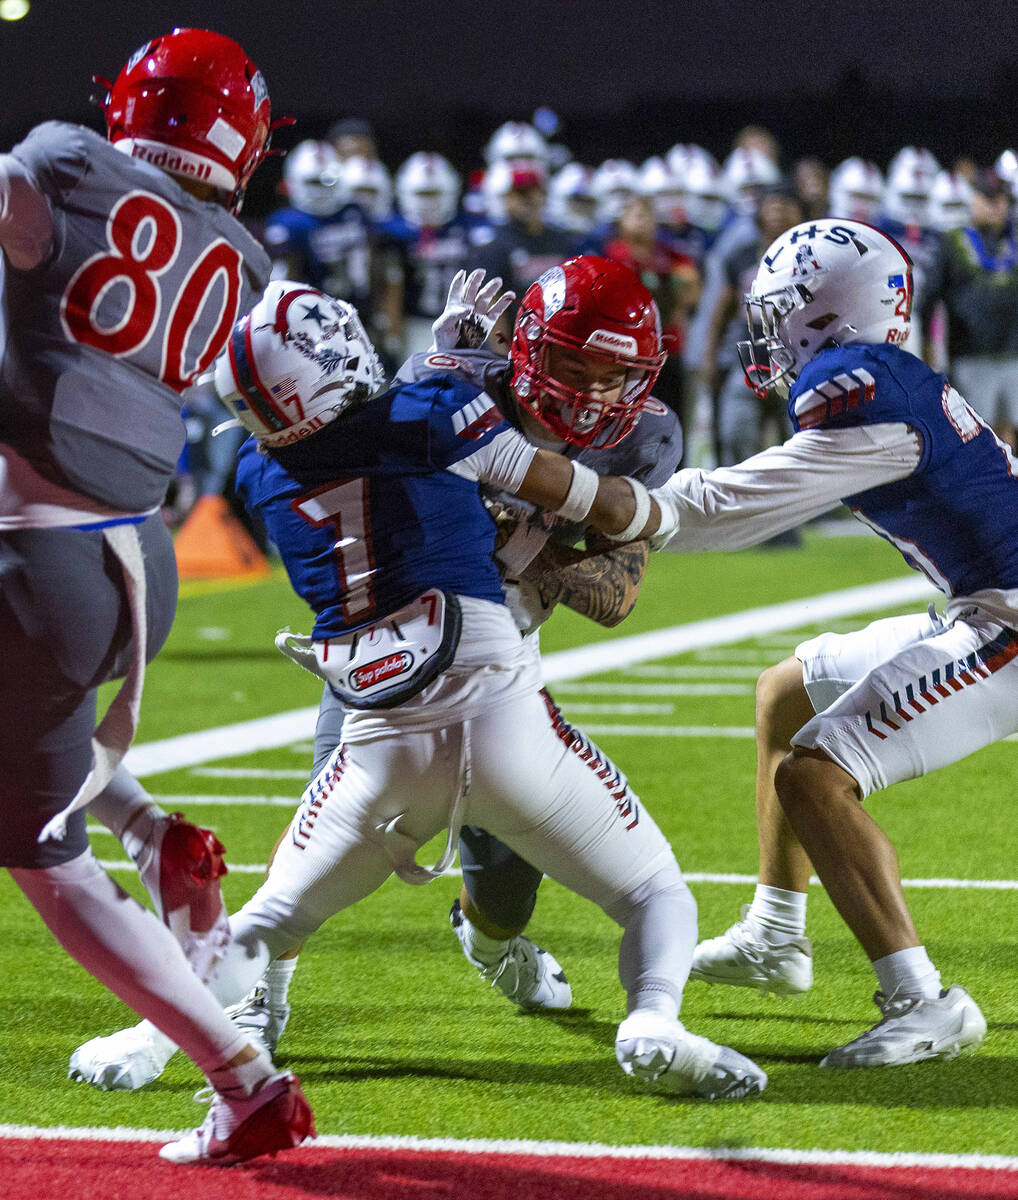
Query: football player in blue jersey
[428,240]
[373,500]
[124,271]
[878,430]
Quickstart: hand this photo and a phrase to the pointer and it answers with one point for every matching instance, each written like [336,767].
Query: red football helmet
[193,103]
[599,309]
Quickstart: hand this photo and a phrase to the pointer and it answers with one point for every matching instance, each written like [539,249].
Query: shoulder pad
[834,386]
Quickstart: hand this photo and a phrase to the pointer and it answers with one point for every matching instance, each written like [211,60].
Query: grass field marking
[190,749]
[249,772]
[654,689]
[681,731]
[979,885]
[511,1146]
[685,671]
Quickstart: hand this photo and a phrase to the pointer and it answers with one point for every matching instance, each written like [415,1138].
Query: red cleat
[181,867]
[277,1117]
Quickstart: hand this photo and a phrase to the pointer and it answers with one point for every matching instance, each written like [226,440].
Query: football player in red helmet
[194,104]
[121,286]
[586,351]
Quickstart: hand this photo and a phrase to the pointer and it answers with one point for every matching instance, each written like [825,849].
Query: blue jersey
[331,253]
[430,258]
[366,513]
[956,516]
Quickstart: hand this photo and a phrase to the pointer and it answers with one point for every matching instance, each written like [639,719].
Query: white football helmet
[427,190]
[515,142]
[366,182]
[910,176]
[684,154]
[294,363]
[856,190]
[658,182]
[311,176]
[500,179]
[1006,167]
[825,282]
[950,201]
[747,170]
[615,180]
[703,194]
[571,203]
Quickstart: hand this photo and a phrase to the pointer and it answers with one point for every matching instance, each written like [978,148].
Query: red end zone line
[96,1164]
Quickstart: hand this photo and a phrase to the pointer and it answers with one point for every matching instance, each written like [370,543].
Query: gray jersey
[650,454]
[139,293]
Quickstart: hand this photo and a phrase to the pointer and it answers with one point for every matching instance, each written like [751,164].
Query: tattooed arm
[601,582]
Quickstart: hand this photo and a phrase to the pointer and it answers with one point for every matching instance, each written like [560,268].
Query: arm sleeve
[503,462]
[739,506]
[26,221]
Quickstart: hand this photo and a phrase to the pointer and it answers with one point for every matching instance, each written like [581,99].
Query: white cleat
[526,974]
[263,1021]
[124,1061]
[277,1117]
[740,957]
[662,1054]
[913,1030]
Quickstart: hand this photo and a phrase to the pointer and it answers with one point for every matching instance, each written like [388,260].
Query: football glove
[470,311]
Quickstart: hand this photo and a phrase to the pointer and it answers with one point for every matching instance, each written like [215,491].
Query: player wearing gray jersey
[123,274]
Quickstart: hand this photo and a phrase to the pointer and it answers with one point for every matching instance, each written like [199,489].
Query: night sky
[628,79]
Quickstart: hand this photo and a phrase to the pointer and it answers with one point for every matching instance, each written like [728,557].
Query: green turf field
[392,1032]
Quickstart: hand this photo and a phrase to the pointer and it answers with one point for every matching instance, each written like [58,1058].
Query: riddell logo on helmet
[174,161]
[617,343]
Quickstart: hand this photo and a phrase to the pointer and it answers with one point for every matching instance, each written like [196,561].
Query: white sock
[778,915]
[908,973]
[236,1083]
[127,810]
[278,976]
[485,949]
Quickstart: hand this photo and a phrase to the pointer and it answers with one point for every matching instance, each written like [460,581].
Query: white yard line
[853,1158]
[655,689]
[263,733]
[980,885]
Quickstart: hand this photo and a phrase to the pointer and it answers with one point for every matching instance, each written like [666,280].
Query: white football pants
[524,776]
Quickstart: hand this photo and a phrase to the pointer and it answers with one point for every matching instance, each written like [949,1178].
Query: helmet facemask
[767,361]
[598,418]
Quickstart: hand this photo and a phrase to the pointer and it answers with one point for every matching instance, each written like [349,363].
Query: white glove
[470,311]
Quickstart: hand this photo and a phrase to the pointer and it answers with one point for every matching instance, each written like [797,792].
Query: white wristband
[635,526]
[581,495]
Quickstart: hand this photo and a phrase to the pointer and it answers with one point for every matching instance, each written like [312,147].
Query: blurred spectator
[756,137]
[524,246]
[670,277]
[353,135]
[812,180]
[975,275]
[742,417]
